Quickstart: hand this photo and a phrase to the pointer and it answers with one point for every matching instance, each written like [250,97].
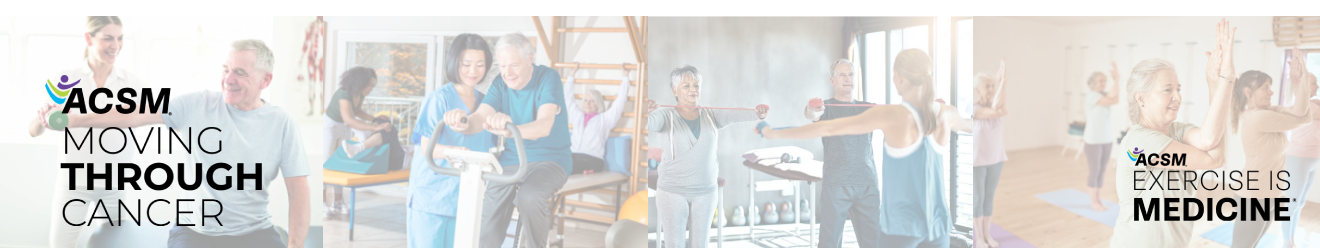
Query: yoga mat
[1080,203]
[1224,235]
[1007,239]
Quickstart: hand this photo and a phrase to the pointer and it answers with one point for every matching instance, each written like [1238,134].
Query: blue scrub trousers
[430,230]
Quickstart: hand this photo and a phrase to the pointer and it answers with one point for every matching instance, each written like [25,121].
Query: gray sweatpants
[1246,234]
[679,212]
[839,203]
[1097,158]
[531,196]
[985,179]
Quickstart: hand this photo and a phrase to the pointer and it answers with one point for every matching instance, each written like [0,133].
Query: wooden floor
[1031,172]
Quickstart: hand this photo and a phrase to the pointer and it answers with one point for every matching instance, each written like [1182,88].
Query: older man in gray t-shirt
[251,133]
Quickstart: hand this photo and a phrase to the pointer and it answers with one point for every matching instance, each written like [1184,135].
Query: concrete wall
[782,62]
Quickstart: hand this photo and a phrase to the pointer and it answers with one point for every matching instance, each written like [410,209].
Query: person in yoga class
[990,97]
[1302,161]
[850,188]
[591,125]
[685,196]
[1099,133]
[913,211]
[433,198]
[345,119]
[1263,128]
[1153,103]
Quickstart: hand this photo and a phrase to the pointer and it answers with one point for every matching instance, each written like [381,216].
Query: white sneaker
[351,149]
[329,213]
[341,208]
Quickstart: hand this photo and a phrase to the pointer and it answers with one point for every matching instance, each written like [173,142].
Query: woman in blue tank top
[913,209]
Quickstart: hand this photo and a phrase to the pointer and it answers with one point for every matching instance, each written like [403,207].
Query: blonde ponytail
[915,65]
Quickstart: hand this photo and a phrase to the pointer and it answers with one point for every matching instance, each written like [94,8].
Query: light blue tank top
[912,201]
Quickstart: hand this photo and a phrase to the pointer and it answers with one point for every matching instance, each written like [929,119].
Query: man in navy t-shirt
[530,96]
[851,187]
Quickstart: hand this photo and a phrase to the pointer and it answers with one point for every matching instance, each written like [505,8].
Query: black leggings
[583,162]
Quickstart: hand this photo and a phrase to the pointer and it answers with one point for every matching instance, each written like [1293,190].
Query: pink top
[1305,141]
[987,142]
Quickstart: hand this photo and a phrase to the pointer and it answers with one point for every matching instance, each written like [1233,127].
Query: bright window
[943,57]
[912,37]
[875,75]
[965,75]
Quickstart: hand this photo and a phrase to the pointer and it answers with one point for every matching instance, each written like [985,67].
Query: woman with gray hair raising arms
[592,122]
[688,133]
[1153,106]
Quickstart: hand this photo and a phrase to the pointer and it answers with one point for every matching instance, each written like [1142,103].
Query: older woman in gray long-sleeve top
[688,135]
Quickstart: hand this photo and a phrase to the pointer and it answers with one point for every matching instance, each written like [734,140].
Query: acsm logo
[71,98]
[65,94]
[1148,159]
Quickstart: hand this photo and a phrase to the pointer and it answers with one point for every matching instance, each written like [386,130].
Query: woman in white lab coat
[104,38]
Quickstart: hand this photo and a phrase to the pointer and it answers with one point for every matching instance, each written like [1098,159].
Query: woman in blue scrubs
[433,198]
[913,209]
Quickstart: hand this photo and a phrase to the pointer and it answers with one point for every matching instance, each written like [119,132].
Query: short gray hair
[519,41]
[265,59]
[678,74]
[1142,79]
[836,64]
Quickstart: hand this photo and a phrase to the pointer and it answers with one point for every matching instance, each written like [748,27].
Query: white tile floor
[380,222]
[772,236]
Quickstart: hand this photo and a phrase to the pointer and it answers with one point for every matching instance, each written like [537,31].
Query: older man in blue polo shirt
[532,97]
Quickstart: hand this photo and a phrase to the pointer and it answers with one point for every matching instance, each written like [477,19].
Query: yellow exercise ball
[635,208]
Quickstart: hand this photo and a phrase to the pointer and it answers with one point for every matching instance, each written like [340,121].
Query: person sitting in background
[591,126]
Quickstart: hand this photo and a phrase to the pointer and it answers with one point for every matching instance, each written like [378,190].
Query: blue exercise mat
[1080,203]
[1224,235]
[372,161]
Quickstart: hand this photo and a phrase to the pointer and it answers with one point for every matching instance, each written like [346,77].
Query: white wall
[586,48]
[1033,53]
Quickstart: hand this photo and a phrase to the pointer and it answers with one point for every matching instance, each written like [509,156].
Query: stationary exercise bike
[474,169]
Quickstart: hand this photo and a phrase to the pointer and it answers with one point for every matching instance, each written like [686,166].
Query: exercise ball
[635,208]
